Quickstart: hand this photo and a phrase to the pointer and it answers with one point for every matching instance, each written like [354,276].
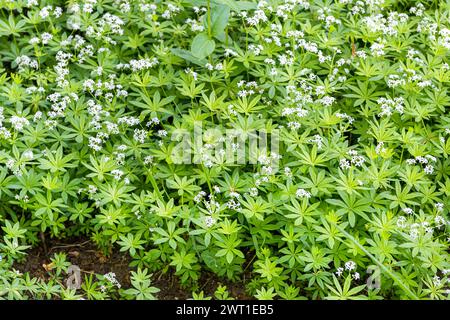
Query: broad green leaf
[188,56]
[219,20]
[202,46]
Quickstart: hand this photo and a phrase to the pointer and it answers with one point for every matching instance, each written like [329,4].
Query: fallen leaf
[74,254]
[48,267]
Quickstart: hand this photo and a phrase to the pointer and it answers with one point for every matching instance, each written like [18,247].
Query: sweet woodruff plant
[297,148]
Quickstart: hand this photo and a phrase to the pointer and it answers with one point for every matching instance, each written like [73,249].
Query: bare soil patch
[85,254]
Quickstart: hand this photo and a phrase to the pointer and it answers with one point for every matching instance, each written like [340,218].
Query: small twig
[70,245]
[89,272]
[250,262]
[204,285]
[44,243]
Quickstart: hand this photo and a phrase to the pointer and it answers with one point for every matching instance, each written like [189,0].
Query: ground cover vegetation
[100,101]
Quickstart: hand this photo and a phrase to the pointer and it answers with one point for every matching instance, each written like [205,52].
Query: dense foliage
[97,96]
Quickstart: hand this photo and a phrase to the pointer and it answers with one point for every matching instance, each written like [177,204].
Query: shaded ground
[208,283]
[84,254]
[80,252]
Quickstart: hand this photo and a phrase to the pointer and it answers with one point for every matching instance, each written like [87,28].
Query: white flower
[143,64]
[253,192]
[287,171]
[34,40]
[408,210]
[148,160]
[428,169]
[350,265]
[235,194]
[234,205]
[230,52]
[302,193]
[92,189]
[46,37]
[199,197]
[117,174]
[357,160]
[140,135]
[25,61]
[377,49]
[436,281]
[162,133]
[28,155]
[413,233]
[111,277]
[209,221]
[439,206]
[19,122]
[379,148]
[344,164]
[95,143]
[401,222]
[31,3]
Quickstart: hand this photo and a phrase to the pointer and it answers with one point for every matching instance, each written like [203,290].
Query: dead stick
[70,245]
[43,242]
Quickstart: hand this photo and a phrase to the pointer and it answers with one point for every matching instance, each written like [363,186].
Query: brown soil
[84,254]
[208,283]
[80,252]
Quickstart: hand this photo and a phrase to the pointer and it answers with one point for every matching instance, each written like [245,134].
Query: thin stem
[391,274]
[209,17]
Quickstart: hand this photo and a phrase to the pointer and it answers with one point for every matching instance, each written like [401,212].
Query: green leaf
[210,260]
[232,4]
[202,46]
[188,56]
[219,20]
[238,5]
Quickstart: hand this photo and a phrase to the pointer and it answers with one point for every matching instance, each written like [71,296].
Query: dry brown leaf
[48,267]
[74,254]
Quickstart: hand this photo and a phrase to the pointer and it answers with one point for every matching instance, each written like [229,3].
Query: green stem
[205,170]
[209,17]
[391,274]
[155,185]
[401,156]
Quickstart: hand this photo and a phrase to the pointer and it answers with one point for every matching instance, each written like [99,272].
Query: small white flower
[209,221]
[253,192]
[117,174]
[401,222]
[46,37]
[344,164]
[436,281]
[408,210]
[199,197]
[28,155]
[19,122]
[439,206]
[302,193]
[428,169]
[350,265]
